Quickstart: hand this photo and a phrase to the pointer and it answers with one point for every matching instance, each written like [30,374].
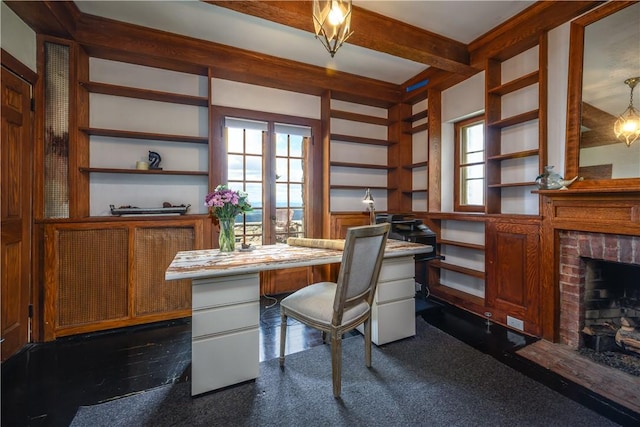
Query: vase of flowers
[226,205]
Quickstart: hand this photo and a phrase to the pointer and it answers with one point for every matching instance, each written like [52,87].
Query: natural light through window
[470,165]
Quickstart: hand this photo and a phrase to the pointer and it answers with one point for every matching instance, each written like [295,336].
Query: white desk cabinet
[393,310]
[225,334]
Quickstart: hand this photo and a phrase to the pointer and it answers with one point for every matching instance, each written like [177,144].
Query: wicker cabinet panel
[155,248]
[92,277]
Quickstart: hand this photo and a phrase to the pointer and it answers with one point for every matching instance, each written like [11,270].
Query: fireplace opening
[611,333]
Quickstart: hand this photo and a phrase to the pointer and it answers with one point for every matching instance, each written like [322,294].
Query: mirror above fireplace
[604,52]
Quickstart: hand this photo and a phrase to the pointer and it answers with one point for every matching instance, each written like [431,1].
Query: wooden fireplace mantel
[594,210]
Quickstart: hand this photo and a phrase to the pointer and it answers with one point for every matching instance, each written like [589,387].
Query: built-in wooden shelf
[151,95]
[116,133]
[359,187]
[514,120]
[361,165]
[458,269]
[515,155]
[512,184]
[514,85]
[461,244]
[360,140]
[144,171]
[416,165]
[363,118]
[418,128]
[417,190]
[417,116]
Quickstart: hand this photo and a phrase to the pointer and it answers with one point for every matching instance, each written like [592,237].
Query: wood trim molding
[14,65]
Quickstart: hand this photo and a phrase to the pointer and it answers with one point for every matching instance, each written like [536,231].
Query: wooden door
[513,274]
[15,213]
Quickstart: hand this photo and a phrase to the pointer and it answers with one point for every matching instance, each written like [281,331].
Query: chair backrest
[360,268]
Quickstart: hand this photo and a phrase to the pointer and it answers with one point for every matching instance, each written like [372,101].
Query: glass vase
[227,238]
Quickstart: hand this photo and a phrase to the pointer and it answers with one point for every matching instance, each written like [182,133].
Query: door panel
[15,213]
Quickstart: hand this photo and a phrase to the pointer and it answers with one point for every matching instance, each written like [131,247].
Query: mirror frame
[574,101]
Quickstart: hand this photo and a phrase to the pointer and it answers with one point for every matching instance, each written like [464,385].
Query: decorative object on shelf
[368,199]
[332,23]
[225,205]
[550,180]
[627,127]
[154,160]
[142,165]
[166,209]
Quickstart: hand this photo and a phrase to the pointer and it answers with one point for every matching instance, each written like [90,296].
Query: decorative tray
[132,210]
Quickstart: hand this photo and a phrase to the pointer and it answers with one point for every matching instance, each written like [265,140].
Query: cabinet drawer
[395,290]
[224,291]
[224,360]
[218,320]
[394,321]
[397,268]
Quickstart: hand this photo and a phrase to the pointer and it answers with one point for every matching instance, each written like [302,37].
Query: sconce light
[627,127]
[332,23]
[368,199]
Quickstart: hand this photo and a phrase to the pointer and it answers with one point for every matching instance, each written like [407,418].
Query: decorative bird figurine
[565,183]
[154,160]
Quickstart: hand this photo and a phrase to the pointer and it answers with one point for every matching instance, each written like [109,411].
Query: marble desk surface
[212,263]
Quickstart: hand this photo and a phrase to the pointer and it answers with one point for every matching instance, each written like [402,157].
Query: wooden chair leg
[367,343]
[283,336]
[336,362]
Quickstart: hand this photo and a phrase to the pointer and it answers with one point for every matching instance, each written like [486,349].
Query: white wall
[17,38]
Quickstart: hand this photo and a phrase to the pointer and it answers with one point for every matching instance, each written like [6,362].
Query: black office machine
[405,227]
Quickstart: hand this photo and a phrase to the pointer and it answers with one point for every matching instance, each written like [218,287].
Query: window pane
[235,140]
[254,168]
[295,195]
[254,141]
[474,192]
[471,172]
[254,190]
[473,157]
[474,138]
[282,144]
[281,169]
[295,146]
[295,168]
[235,166]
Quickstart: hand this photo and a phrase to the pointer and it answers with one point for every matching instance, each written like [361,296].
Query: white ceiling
[460,20]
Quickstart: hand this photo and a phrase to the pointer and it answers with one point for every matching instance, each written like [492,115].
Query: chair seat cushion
[315,302]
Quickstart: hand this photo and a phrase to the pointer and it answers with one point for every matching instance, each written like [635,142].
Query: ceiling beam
[113,39]
[371,31]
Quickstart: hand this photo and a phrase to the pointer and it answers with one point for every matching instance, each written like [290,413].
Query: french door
[267,160]
[278,162]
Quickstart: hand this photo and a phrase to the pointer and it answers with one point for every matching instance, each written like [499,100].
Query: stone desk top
[212,263]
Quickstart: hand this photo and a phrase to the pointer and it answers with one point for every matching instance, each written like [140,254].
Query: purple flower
[226,203]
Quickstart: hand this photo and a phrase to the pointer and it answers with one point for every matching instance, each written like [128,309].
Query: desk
[226,303]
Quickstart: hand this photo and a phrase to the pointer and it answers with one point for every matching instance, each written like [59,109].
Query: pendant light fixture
[627,127]
[332,23]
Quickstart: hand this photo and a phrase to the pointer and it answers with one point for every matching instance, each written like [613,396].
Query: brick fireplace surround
[574,246]
[598,223]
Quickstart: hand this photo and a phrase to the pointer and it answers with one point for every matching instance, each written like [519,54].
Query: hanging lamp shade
[627,127]
[332,23]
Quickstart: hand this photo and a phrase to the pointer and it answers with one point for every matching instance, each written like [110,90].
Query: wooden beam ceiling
[371,31]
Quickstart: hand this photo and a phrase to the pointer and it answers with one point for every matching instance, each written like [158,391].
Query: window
[270,167]
[469,165]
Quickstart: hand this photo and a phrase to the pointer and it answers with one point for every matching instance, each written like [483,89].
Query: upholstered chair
[336,308]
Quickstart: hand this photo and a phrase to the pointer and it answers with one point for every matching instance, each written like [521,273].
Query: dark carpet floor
[432,379]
